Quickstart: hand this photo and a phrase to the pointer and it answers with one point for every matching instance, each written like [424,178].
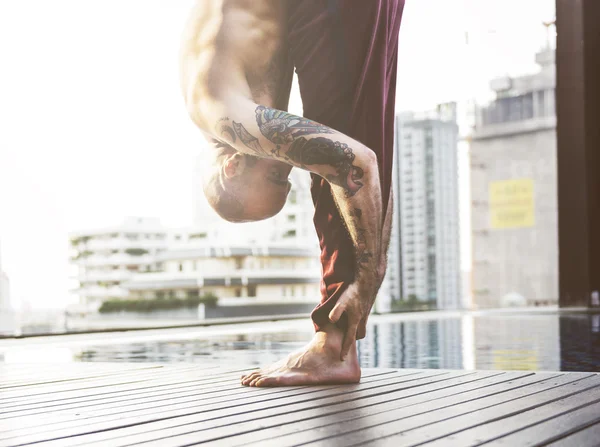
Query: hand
[356,301]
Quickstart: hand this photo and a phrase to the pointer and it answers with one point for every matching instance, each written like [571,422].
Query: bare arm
[349,166]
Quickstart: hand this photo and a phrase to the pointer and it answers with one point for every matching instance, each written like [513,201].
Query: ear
[234,165]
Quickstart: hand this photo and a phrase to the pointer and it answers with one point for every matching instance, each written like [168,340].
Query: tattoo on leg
[362,255]
[324,151]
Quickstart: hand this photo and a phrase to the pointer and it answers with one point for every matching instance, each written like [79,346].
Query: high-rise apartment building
[424,257]
[514,192]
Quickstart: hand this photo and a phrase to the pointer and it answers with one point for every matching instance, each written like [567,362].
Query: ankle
[330,339]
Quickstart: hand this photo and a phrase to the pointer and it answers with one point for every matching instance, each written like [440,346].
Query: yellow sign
[512,204]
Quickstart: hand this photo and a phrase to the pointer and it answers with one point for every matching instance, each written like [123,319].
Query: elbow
[202,106]
[369,158]
[197,111]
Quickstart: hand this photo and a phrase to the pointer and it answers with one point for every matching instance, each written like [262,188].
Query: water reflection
[531,341]
[580,343]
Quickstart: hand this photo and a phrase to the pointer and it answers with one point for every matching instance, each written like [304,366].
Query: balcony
[114,275]
[231,277]
[121,244]
[97,260]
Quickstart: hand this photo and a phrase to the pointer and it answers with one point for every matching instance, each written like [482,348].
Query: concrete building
[107,257]
[514,192]
[424,257]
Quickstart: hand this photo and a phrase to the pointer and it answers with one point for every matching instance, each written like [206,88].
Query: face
[267,188]
[262,186]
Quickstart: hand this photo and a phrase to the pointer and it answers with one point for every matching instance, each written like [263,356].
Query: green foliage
[136,251]
[412,303]
[142,305]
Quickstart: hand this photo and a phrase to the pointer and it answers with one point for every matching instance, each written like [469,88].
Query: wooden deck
[178,405]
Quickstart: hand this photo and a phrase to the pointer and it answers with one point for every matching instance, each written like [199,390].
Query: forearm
[349,166]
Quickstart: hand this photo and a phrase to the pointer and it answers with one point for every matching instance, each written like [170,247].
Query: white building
[424,257]
[109,256]
[237,274]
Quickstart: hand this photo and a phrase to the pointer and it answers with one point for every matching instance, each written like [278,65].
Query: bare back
[237,45]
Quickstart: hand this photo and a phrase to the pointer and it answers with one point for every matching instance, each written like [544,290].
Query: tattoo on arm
[238,129]
[248,139]
[223,127]
[285,129]
[323,151]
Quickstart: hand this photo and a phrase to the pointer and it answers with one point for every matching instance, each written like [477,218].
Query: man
[236,77]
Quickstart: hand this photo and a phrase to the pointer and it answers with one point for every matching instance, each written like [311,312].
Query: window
[292,198]
[252,290]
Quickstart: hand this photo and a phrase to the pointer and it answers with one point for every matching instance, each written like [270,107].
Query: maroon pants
[345,54]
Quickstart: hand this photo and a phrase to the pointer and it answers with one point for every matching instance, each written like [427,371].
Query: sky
[93,127]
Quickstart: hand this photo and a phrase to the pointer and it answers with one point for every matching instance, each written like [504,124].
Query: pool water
[526,341]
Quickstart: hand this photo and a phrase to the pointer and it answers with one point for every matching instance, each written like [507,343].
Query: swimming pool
[526,340]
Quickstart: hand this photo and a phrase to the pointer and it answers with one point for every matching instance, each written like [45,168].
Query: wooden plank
[50,389]
[177,405]
[417,403]
[232,395]
[145,388]
[194,413]
[587,437]
[552,412]
[412,418]
[41,378]
[231,391]
[165,431]
[437,425]
[32,384]
[404,408]
[265,428]
[555,428]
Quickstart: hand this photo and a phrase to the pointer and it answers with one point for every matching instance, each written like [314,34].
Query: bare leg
[386,235]
[317,363]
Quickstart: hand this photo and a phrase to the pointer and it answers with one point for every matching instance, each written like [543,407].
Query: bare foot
[317,363]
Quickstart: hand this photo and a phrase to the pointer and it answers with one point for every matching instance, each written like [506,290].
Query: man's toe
[256,380]
[268,381]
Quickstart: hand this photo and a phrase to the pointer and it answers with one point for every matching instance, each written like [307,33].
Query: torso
[240,43]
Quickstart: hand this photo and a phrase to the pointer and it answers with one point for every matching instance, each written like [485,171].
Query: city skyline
[75,157]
